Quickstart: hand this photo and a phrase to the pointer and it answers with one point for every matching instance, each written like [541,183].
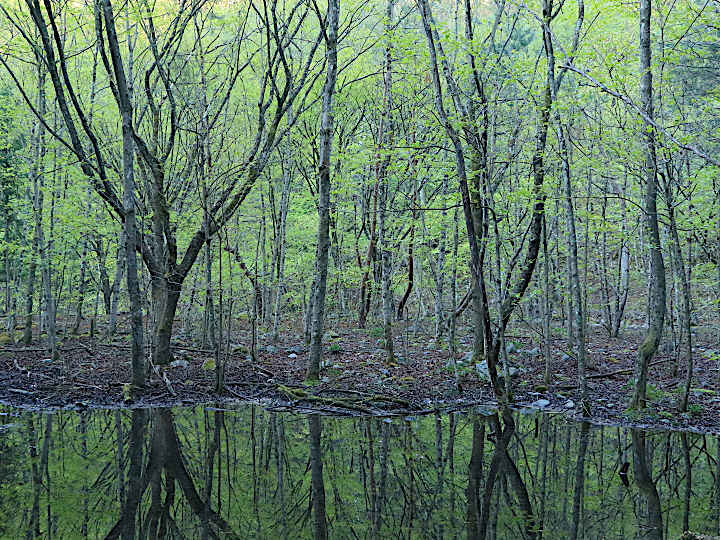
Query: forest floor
[356,380]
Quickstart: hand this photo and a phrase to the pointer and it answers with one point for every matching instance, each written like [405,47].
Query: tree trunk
[439,272]
[685,309]
[656,298]
[547,312]
[385,142]
[120,266]
[37,204]
[125,107]
[575,286]
[280,248]
[81,291]
[323,236]
[45,263]
[624,277]
[166,293]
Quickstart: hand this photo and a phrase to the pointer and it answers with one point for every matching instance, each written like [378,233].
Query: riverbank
[356,380]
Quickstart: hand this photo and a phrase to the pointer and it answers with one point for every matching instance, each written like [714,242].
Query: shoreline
[354,382]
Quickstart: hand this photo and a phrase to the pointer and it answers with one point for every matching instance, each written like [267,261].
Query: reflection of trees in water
[651,526]
[203,473]
[317,493]
[166,458]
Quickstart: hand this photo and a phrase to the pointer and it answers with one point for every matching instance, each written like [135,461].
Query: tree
[330,34]
[656,298]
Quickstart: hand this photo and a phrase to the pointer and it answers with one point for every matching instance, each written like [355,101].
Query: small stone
[512,348]
[296,350]
[569,404]
[325,379]
[180,364]
[292,355]
[540,403]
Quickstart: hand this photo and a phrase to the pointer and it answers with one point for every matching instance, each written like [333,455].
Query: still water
[203,472]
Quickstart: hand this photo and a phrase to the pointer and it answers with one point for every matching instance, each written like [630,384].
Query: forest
[363,208]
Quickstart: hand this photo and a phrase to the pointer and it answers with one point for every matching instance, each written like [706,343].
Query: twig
[623,371]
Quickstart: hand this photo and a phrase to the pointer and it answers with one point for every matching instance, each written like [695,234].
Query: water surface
[203,472]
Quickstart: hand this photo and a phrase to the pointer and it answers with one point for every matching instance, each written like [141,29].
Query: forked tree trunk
[166,294]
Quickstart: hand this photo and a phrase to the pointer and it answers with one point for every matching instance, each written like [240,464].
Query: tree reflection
[317,482]
[165,456]
[501,465]
[206,473]
[651,526]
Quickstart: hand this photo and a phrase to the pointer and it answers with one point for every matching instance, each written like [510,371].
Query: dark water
[248,473]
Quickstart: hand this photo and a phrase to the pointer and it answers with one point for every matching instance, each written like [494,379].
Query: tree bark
[575,286]
[37,203]
[656,297]
[685,309]
[125,107]
[81,291]
[323,235]
[117,281]
[385,142]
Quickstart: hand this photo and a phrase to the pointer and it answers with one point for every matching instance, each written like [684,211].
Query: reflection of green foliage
[11,475]
[260,465]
